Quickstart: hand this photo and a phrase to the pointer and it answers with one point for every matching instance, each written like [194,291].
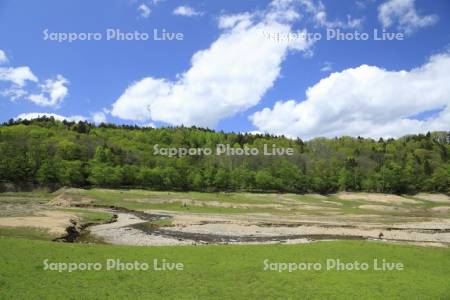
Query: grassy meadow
[218,272]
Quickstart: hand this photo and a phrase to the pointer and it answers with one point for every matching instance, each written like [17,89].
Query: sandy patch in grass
[320,208]
[433,197]
[384,208]
[212,203]
[318,196]
[19,209]
[441,209]
[333,203]
[375,197]
[65,200]
[55,222]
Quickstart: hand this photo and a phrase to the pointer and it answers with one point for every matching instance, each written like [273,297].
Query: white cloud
[227,78]
[148,125]
[14,93]
[327,67]
[53,92]
[99,117]
[186,11]
[362,4]
[3,57]
[320,18]
[18,76]
[230,21]
[404,14]
[144,10]
[366,101]
[35,115]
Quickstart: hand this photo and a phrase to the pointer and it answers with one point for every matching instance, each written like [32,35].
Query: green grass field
[90,217]
[27,233]
[222,272]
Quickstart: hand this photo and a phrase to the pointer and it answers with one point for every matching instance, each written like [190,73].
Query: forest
[45,153]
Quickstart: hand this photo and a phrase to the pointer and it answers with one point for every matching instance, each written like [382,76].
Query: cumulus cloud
[230,21]
[227,78]
[404,15]
[144,10]
[3,57]
[18,76]
[366,101]
[13,93]
[35,115]
[53,92]
[99,117]
[186,11]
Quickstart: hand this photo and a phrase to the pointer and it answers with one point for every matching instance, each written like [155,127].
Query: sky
[301,68]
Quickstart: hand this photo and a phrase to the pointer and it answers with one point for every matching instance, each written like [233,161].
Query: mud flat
[314,232]
[121,232]
[225,219]
[131,229]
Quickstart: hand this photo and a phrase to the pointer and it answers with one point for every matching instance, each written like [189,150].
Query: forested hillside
[47,153]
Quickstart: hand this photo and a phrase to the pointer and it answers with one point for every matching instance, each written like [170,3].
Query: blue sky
[242,80]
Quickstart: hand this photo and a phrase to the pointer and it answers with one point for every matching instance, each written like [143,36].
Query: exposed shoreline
[131,229]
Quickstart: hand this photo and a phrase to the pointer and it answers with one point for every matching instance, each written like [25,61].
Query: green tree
[221,179]
[264,180]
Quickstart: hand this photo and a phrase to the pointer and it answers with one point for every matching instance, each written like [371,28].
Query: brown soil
[434,197]
[55,222]
[65,200]
[384,208]
[375,197]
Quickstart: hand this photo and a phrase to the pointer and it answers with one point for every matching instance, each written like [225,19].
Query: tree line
[48,153]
